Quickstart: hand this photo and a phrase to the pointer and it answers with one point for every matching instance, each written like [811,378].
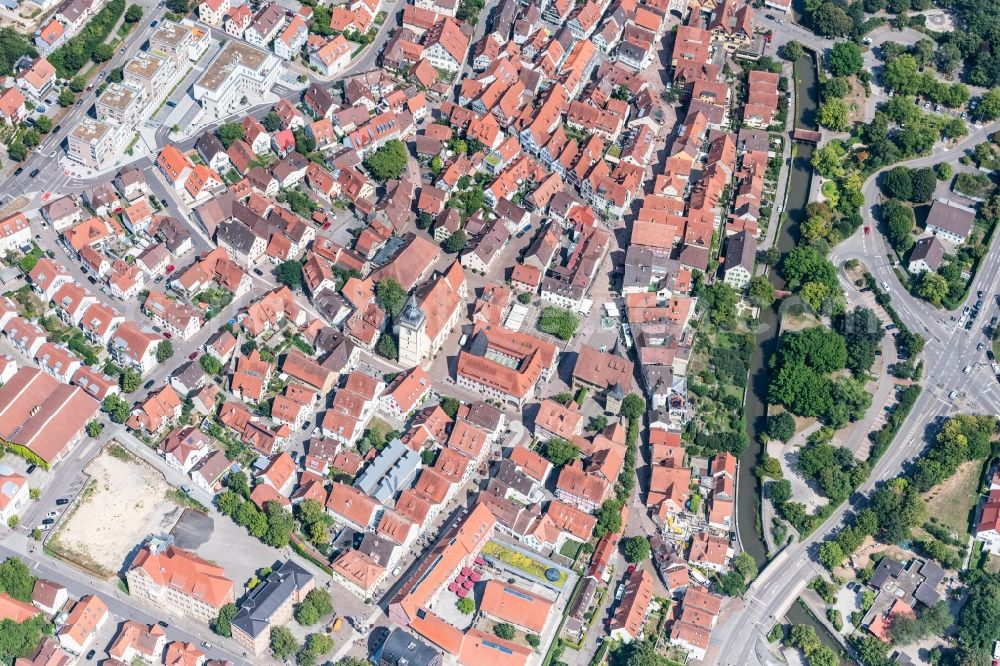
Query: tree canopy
[391,295]
[844,59]
[388,162]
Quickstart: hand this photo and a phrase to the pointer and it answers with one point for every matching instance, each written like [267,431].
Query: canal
[799,184]
[806,102]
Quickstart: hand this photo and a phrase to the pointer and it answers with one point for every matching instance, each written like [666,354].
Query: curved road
[948,350]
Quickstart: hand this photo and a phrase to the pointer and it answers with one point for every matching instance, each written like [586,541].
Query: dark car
[163,202]
[34,172]
[18,171]
[163,624]
[55,130]
[259,272]
[769,17]
[149,384]
[91,279]
[90,655]
[31,468]
[62,501]
[48,521]
[192,356]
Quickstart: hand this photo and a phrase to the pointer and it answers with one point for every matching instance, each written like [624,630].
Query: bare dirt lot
[124,502]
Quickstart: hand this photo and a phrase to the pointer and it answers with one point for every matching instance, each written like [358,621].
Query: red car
[170,268]
[868,230]
[326,225]
[167,334]
[192,356]
[631,569]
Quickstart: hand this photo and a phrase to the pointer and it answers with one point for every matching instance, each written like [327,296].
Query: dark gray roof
[256,612]
[377,548]
[236,235]
[741,251]
[887,568]
[208,146]
[951,217]
[401,648]
[930,249]
[512,477]
[484,415]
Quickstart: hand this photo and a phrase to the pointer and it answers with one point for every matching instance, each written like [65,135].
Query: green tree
[77,84]
[116,408]
[830,20]
[943,171]
[289,273]
[830,555]
[745,565]
[280,525]
[844,59]
[316,646]
[230,133]
[633,407]
[102,53]
[559,452]
[902,75]
[164,350]
[129,381]
[455,243]
[387,347]
[17,151]
[391,296]
[898,183]
[466,605]
[271,122]
[792,51]
[221,624]
[989,106]
[609,518]
[637,549]
[923,182]
[504,630]
[94,428]
[314,607]
[133,14]
[66,97]
[16,579]
[932,287]
[388,162]
[210,364]
[721,300]
[836,87]
[781,426]
[450,406]
[760,291]
[558,322]
[44,124]
[833,115]
[899,223]
[283,644]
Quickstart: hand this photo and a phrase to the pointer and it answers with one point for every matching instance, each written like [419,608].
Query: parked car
[168,335]
[90,655]
[192,356]
[885,285]
[953,395]
[31,468]
[967,369]
[149,384]
[62,501]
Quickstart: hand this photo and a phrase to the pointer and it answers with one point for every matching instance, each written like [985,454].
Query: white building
[239,70]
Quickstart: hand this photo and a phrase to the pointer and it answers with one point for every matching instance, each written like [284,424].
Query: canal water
[799,185]
[747,515]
